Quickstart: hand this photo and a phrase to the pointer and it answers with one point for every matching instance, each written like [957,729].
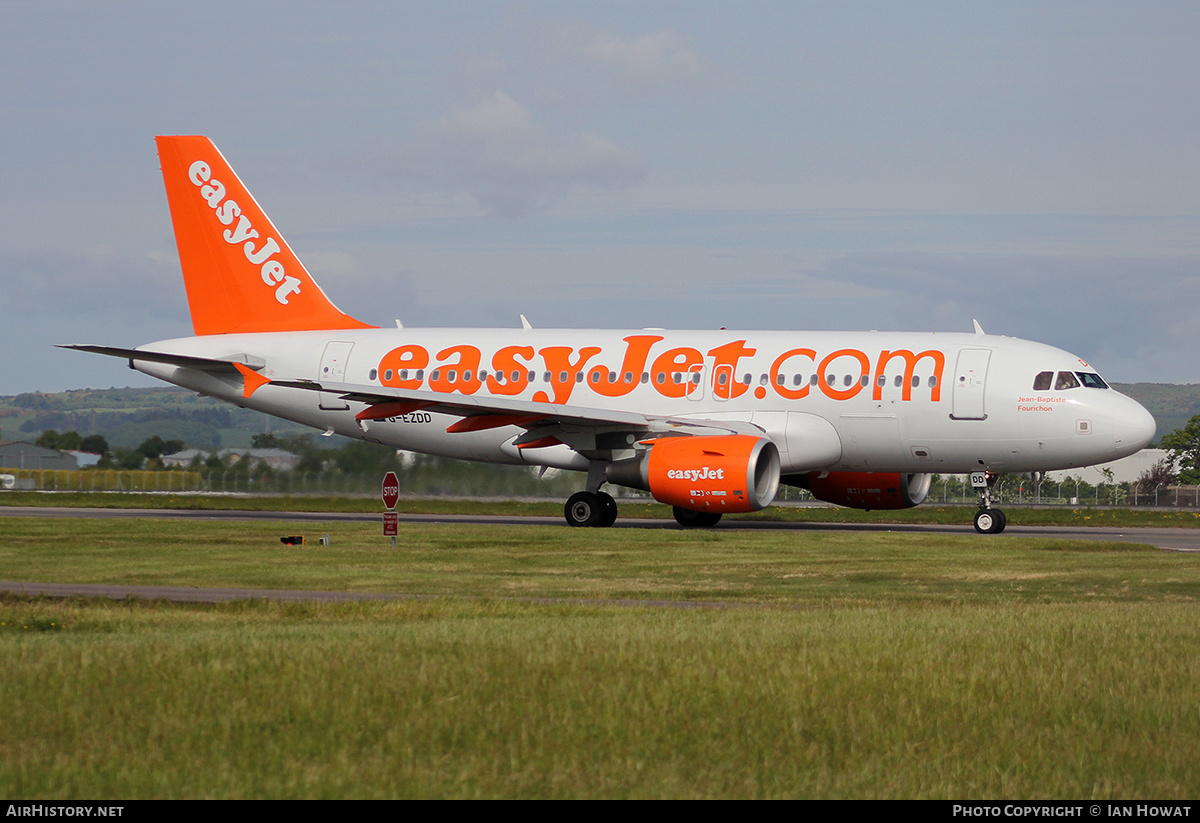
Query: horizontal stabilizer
[214,364]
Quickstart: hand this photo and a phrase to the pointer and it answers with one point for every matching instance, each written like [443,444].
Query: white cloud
[652,63]
[511,164]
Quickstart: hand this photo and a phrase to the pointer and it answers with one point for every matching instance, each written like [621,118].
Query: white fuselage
[831,401]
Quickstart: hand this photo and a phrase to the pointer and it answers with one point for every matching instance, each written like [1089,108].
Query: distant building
[18,454]
[276,459]
[85,460]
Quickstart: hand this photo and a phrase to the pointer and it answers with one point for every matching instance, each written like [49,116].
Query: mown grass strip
[501,699]
[916,666]
[724,566]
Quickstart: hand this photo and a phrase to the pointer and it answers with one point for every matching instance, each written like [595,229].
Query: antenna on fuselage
[978,328]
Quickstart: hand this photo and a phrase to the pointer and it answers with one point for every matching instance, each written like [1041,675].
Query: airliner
[709,422]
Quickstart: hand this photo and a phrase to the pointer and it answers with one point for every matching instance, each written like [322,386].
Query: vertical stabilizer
[240,274]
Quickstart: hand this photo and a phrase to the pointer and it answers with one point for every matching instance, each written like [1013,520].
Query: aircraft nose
[1133,428]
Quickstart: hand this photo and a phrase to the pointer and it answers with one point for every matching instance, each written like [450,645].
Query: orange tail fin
[240,274]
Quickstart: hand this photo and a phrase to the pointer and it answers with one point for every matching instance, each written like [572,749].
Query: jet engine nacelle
[870,490]
[722,473]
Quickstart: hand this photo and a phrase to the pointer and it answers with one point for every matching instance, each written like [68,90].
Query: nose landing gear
[987,520]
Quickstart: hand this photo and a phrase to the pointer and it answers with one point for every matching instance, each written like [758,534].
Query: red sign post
[391,496]
[391,490]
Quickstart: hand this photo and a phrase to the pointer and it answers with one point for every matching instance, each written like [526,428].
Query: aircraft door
[695,386]
[333,370]
[970,379]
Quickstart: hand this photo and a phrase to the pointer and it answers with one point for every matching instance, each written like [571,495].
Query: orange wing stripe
[492,421]
[252,381]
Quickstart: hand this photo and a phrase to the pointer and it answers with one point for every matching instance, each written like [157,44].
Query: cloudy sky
[792,165]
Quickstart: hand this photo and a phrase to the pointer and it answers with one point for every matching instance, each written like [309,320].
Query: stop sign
[391,490]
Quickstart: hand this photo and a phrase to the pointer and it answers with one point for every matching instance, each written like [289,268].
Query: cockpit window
[1066,380]
[1091,381]
[1042,381]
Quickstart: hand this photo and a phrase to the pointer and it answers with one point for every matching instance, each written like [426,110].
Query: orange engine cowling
[869,490]
[722,473]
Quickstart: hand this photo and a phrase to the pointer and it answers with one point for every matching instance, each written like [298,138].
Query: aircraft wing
[545,423]
[540,419]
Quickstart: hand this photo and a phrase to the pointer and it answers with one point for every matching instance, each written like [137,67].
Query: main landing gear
[695,520]
[987,519]
[590,509]
[598,509]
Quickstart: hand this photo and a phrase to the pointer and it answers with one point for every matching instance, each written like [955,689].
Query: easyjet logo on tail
[242,232]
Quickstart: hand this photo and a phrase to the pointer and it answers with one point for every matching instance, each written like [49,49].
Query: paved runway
[1182,540]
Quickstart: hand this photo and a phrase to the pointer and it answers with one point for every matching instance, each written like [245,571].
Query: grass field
[846,665]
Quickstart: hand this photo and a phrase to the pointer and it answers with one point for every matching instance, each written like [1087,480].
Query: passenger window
[1042,381]
[1066,380]
[372,375]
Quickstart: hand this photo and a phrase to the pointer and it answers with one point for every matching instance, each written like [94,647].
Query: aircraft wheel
[695,520]
[990,521]
[584,509]
[608,510]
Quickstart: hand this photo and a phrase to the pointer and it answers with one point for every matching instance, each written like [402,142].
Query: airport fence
[474,480]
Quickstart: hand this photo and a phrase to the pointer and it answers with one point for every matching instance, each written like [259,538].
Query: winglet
[252,380]
[240,274]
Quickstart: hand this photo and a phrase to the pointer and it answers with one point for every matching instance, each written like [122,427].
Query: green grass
[775,567]
[849,665]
